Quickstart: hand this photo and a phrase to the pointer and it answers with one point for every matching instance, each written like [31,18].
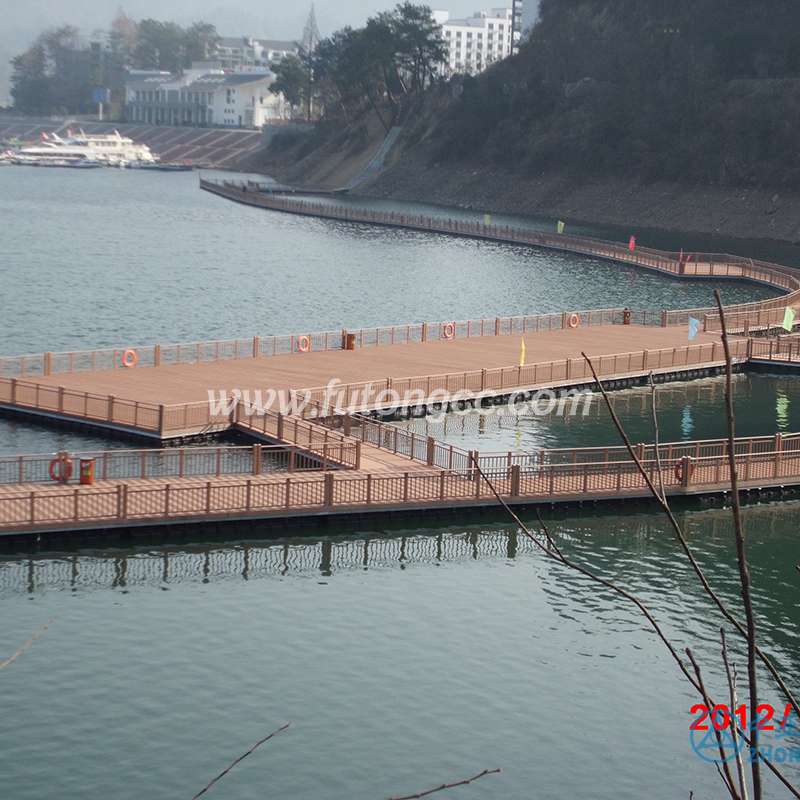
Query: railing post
[256,459]
[778,446]
[686,471]
[48,363]
[346,424]
[431,454]
[328,494]
[13,391]
[161,421]
[111,408]
[424,331]
[358,455]
[279,432]
[60,399]
[515,480]
[292,458]
[497,326]
[157,356]
[256,345]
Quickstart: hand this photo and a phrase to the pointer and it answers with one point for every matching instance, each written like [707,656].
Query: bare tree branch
[552,550]
[685,545]
[23,649]
[734,706]
[741,555]
[655,440]
[722,767]
[225,772]
[446,786]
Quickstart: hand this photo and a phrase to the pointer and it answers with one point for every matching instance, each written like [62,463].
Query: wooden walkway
[312,383]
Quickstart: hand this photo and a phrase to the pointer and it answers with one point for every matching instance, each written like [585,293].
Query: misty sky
[21,22]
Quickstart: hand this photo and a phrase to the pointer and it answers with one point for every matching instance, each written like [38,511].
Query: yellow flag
[788,319]
[522,355]
[487,220]
[560,226]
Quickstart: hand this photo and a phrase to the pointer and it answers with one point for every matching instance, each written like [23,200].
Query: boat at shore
[84,151]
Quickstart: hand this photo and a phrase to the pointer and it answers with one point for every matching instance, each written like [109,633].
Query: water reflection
[686,410]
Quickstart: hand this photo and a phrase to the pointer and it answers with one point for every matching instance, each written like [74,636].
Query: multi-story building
[476,42]
[205,96]
[243,53]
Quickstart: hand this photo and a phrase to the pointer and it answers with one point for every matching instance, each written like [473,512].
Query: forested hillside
[695,91]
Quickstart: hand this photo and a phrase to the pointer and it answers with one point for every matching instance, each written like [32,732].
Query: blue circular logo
[706,744]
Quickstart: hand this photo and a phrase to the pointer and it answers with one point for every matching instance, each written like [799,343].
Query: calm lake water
[403,657]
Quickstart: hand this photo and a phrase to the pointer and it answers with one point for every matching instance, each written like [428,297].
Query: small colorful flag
[788,319]
[694,326]
[560,226]
[632,244]
[522,355]
[487,220]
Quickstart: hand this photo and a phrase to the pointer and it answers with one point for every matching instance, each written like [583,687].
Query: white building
[241,54]
[205,97]
[476,42]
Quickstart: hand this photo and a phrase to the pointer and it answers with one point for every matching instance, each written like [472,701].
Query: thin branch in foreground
[446,786]
[23,649]
[552,550]
[225,772]
[730,672]
[741,555]
[663,497]
[685,545]
[722,767]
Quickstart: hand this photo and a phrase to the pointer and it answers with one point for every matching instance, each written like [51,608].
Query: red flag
[632,245]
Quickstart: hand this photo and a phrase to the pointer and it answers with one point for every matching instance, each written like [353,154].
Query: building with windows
[205,96]
[474,43]
[243,53]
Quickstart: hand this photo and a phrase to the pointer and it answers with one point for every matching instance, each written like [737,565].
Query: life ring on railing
[129,359]
[61,477]
[573,321]
[303,344]
[679,470]
[449,330]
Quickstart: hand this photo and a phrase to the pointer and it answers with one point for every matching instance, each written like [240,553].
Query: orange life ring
[304,344]
[59,476]
[129,359]
[679,471]
[573,321]
[449,330]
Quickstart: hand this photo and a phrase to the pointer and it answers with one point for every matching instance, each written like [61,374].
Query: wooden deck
[165,392]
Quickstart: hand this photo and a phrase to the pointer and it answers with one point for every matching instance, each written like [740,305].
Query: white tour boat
[85,150]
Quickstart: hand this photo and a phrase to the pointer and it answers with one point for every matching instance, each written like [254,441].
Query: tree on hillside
[123,38]
[31,86]
[419,43]
[167,46]
[291,79]
[200,42]
[393,55]
[44,79]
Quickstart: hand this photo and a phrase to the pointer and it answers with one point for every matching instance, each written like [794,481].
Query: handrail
[185,462]
[364,396]
[162,501]
[693,265]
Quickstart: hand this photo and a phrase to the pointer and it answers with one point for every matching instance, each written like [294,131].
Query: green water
[403,657]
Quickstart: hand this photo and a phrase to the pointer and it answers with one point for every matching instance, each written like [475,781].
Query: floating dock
[327,394]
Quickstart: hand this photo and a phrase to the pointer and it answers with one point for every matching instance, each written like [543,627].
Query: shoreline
[752,214]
